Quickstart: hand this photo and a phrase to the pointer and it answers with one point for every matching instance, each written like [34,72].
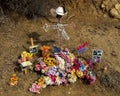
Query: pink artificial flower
[65,81]
[82,45]
[20,61]
[58,81]
[35,88]
[37,67]
[42,64]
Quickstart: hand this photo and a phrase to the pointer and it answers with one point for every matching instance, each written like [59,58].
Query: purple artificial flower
[52,71]
[90,63]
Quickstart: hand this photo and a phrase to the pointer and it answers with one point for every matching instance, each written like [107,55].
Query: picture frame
[96,55]
[33,49]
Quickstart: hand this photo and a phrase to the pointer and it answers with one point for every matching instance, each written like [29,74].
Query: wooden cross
[33,48]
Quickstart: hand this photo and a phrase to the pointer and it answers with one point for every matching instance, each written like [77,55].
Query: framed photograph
[33,49]
[97,52]
[96,55]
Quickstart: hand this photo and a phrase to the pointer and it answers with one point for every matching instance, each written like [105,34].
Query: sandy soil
[102,33]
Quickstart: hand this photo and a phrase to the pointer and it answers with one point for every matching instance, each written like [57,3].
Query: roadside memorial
[60,66]
[56,66]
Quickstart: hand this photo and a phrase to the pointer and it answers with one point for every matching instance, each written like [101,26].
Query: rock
[69,92]
[113,53]
[115,11]
[111,7]
[107,4]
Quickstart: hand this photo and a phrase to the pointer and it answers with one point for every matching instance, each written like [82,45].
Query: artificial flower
[37,67]
[48,80]
[41,82]
[58,81]
[52,71]
[85,63]
[79,73]
[72,78]
[90,77]
[35,88]
[82,67]
[50,61]
[72,57]
[13,80]
[60,62]
[44,69]
[45,48]
[26,56]
[64,56]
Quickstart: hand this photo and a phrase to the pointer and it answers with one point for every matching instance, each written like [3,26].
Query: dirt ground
[102,33]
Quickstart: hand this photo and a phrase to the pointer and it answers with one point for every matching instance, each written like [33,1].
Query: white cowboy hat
[60,11]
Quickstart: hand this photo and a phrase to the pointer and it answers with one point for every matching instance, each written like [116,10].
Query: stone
[106,5]
[115,11]
[111,7]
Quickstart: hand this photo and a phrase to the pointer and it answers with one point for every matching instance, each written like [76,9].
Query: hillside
[88,20]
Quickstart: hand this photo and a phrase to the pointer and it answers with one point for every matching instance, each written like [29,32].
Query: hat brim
[60,13]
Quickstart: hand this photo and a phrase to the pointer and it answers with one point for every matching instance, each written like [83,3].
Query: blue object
[82,50]
[60,75]
[82,67]
[56,49]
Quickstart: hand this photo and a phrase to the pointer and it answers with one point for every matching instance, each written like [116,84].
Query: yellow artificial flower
[50,61]
[41,82]
[79,73]
[72,72]
[26,55]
